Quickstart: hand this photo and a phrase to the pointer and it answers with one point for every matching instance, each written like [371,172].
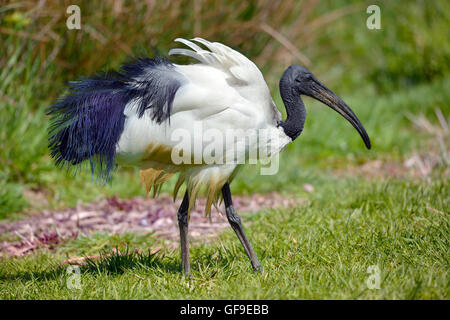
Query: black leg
[183,221]
[236,224]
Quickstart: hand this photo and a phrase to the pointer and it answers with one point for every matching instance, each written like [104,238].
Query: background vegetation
[396,79]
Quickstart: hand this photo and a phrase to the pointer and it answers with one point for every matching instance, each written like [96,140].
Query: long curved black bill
[326,96]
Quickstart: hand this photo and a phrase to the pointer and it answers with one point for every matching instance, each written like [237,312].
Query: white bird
[167,118]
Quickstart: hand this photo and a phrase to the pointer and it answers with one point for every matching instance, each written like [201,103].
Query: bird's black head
[303,82]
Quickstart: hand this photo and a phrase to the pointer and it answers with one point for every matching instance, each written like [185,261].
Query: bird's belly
[192,142]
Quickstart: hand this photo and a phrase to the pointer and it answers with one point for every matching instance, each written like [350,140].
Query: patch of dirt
[37,198]
[115,216]
[416,166]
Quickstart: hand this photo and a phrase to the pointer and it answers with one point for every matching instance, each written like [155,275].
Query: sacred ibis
[138,115]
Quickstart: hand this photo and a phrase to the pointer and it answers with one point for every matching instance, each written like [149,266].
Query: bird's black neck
[295,109]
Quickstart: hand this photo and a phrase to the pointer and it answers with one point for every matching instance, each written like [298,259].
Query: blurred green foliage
[414,48]
[412,45]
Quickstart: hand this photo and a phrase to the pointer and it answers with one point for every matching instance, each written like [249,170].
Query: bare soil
[115,216]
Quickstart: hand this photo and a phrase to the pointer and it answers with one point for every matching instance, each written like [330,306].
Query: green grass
[317,251]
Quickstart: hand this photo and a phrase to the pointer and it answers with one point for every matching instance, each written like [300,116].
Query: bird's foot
[258,268]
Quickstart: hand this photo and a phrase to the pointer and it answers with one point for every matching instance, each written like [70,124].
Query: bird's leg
[183,221]
[236,224]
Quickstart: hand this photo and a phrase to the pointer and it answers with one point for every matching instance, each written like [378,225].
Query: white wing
[242,74]
[224,91]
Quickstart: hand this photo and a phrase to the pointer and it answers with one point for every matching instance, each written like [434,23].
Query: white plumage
[225,91]
[167,118]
